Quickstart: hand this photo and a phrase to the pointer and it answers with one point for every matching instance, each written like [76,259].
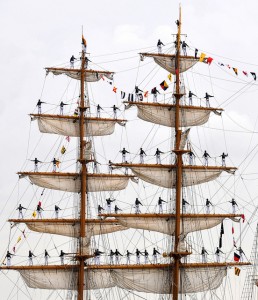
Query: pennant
[19,239]
[170,76]
[164,85]
[34,214]
[245,73]
[39,203]
[233,230]
[229,66]
[102,77]
[42,193]
[63,150]
[114,89]
[221,64]
[23,232]
[202,56]
[146,94]
[68,139]
[57,163]
[234,242]
[235,70]
[243,218]
[122,95]
[130,97]
[209,60]
[253,74]
[236,257]
[14,249]
[84,44]
[237,271]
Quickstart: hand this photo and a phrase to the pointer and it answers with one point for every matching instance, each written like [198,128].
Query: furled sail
[89,75]
[165,175]
[71,182]
[183,140]
[164,114]
[148,279]
[166,223]
[69,125]
[168,61]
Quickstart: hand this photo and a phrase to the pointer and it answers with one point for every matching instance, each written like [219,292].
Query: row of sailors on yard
[158,153]
[38,211]
[218,252]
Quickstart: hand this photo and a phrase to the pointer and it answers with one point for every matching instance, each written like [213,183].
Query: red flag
[229,66]
[209,60]
[236,257]
[39,203]
[245,73]
[233,230]
[14,249]
[243,218]
[146,94]
[114,89]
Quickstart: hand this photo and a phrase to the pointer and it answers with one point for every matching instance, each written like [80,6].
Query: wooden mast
[81,256]
[179,163]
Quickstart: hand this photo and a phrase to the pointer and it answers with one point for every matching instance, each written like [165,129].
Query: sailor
[72,59]
[206,156]
[184,45]
[100,209]
[184,204]
[155,92]
[124,154]
[109,201]
[155,256]
[8,258]
[117,209]
[95,166]
[241,253]
[39,211]
[117,254]
[86,62]
[126,168]
[111,254]
[36,161]
[57,208]
[207,97]
[223,158]
[128,257]
[157,154]
[46,257]
[137,206]
[31,255]
[138,95]
[62,255]
[190,96]
[20,208]
[208,204]
[217,253]
[62,104]
[160,201]
[138,253]
[234,204]
[115,111]
[191,157]
[159,46]
[142,154]
[195,52]
[204,254]
[39,106]
[177,23]
[97,254]
[98,110]
[146,256]
[110,168]
[55,163]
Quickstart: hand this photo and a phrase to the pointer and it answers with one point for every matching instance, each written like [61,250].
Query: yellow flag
[235,70]
[170,76]
[34,214]
[63,150]
[202,56]
[237,271]
[19,239]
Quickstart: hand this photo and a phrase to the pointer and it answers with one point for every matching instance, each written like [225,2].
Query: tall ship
[114,215]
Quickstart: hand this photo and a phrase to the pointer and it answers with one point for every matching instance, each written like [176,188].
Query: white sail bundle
[164,114]
[168,61]
[89,75]
[71,182]
[165,176]
[70,125]
[149,280]
[166,225]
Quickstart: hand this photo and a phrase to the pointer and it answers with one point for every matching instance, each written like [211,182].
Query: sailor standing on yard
[160,201]
[117,254]
[191,157]
[46,257]
[204,254]
[184,45]
[115,111]
[155,92]
[157,154]
[31,255]
[62,104]
[190,96]
[138,253]
[137,206]
[138,95]
[8,258]
[234,204]
[20,208]
[217,253]
[208,204]
[55,163]
[39,106]
[110,168]
[117,209]
[124,154]
[223,158]
[159,46]
[128,257]
[97,254]
[111,254]
[207,97]
[146,256]
[184,204]
[36,161]
[109,201]
[62,255]
[57,208]
[206,157]
[155,256]
[39,211]
[72,59]
[100,209]
[142,154]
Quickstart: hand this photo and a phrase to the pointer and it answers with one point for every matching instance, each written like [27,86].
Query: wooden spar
[176,256]
[65,221]
[78,70]
[165,216]
[59,174]
[83,184]
[169,55]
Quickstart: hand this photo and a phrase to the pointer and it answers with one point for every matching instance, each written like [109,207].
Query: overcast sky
[36,34]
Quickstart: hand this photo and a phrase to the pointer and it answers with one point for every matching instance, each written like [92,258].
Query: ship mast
[179,166]
[81,254]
